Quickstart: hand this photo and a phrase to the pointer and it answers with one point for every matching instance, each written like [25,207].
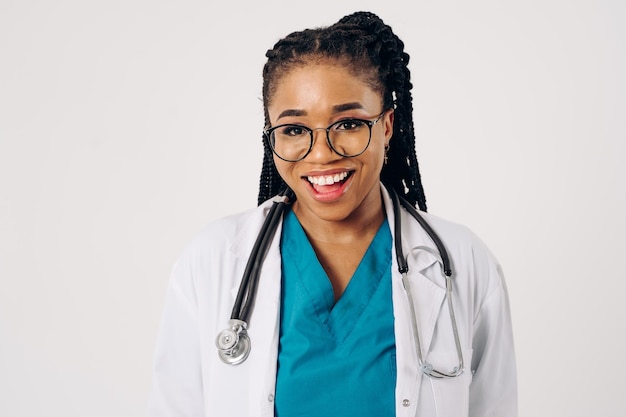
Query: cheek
[283,168]
[377,158]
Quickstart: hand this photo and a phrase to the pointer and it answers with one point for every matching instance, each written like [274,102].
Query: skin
[340,220]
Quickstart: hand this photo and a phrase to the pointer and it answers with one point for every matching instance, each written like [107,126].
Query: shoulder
[215,251]
[470,256]
[221,234]
[457,236]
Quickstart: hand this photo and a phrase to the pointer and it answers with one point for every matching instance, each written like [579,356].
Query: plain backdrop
[126,126]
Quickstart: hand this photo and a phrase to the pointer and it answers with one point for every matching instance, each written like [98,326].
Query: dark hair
[371,50]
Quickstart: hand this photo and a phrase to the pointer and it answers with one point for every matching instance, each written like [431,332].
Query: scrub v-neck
[335,357]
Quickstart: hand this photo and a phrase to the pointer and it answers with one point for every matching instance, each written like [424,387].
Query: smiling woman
[321,94]
[357,308]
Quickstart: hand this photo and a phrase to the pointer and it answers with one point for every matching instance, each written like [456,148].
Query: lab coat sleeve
[493,391]
[177,381]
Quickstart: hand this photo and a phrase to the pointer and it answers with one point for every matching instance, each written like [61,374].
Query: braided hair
[369,48]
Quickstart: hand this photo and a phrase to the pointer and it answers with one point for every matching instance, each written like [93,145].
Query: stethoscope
[233,343]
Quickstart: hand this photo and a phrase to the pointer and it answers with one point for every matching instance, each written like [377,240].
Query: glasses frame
[370,123]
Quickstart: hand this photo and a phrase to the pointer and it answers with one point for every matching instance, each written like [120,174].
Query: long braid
[374,52]
[270,182]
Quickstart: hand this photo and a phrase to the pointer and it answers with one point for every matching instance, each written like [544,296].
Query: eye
[291,130]
[349,124]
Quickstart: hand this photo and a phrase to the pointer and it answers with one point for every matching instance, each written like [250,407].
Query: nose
[321,150]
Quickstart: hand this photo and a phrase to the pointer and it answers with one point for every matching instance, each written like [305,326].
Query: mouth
[329,179]
[328,183]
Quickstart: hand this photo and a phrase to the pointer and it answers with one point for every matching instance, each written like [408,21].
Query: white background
[126,126]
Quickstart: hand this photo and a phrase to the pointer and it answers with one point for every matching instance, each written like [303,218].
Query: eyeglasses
[346,137]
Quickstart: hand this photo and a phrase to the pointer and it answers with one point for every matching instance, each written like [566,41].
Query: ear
[388,125]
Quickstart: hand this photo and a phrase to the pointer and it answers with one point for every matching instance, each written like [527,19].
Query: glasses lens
[349,137]
[290,142]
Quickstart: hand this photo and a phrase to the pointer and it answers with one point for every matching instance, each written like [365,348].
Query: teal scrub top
[335,359]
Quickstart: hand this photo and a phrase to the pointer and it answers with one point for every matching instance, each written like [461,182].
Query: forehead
[319,87]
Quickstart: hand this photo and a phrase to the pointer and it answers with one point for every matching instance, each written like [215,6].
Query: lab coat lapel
[242,247]
[427,289]
[263,328]
[428,299]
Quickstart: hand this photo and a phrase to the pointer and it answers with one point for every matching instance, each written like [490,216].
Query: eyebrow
[347,106]
[291,112]
[335,109]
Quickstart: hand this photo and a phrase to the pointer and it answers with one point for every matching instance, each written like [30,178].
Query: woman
[334,331]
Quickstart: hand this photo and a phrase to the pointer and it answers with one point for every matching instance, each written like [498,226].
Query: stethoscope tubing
[242,308]
[402,264]
[403,268]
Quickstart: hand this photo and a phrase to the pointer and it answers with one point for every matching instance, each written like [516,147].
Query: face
[329,186]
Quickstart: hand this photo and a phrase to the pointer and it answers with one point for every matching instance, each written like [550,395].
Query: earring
[386,157]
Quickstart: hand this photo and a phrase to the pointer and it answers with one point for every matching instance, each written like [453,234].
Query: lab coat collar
[414,239]
[416,243]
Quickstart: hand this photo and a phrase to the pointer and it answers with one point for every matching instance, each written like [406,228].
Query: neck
[361,224]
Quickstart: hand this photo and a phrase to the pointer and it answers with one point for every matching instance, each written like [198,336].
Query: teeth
[327,179]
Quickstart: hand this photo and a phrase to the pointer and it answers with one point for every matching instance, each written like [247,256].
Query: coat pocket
[450,395]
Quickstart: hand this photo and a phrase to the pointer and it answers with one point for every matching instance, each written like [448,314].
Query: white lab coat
[190,380]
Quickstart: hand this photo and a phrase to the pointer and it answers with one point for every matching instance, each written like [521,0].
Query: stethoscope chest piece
[233,344]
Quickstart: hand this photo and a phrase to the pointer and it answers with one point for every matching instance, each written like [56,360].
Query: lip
[328,193]
[316,172]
